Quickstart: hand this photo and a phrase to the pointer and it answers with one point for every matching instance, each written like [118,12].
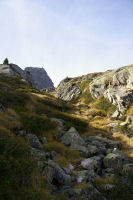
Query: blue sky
[67,37]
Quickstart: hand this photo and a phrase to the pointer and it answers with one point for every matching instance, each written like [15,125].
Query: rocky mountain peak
[40,77]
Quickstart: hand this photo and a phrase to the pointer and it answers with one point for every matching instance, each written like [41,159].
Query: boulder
[56,175]
[92,163]
[33,140]
[114,160]
[72,137]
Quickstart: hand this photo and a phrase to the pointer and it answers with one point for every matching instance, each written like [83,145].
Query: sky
[67,37]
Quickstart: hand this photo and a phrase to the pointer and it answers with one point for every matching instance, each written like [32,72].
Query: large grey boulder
[92,163]
[40,77]
[56,175]
[72,137]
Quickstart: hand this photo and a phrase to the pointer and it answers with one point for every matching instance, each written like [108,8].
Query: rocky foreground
[102,158]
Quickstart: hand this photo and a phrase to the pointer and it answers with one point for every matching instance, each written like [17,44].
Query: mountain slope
[70,150]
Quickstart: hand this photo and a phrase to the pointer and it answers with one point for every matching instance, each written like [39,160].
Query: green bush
[5,62]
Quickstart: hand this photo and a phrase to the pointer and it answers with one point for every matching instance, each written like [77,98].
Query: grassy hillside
[25,108]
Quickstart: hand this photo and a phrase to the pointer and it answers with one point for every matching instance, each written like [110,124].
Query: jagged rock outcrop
[14,70]
[116,85]
[100,83]
[67,90]
[40,77]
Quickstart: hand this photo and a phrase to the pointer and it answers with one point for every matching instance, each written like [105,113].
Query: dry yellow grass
[127,143]
[103,180]
[101,123]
